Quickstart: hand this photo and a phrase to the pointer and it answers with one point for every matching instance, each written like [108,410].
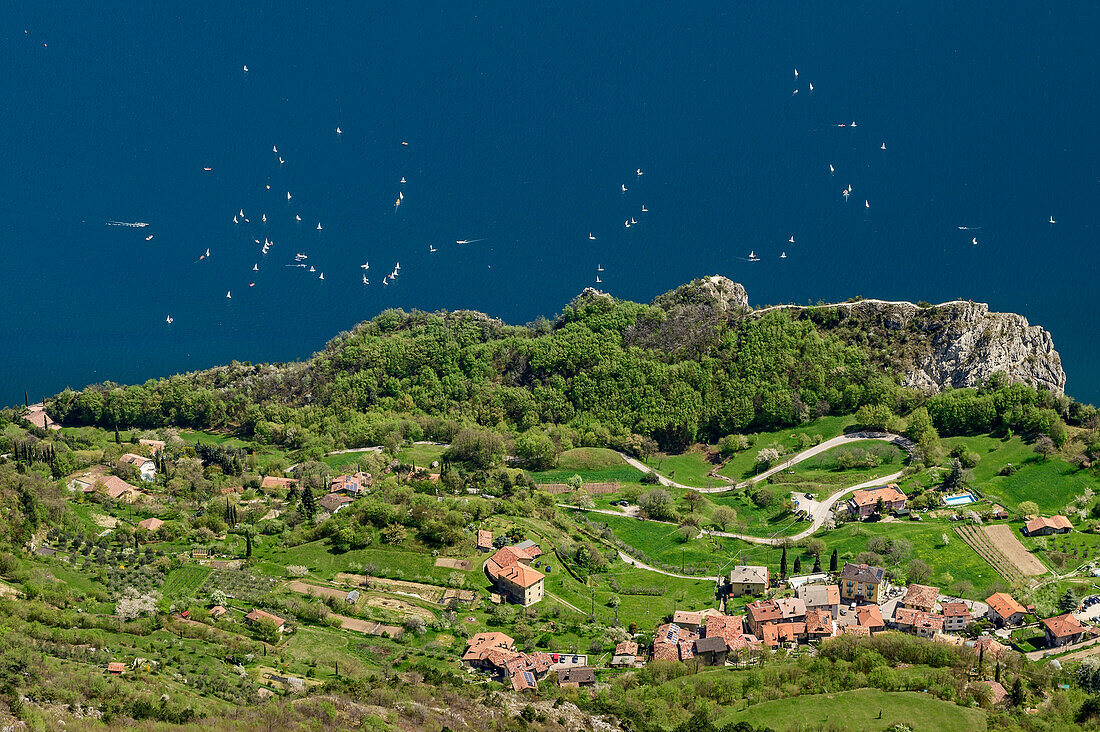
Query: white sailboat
[591,236]
[791,240]
[402,179]
[866,204]
[149,238]
[298,217]
[644,209]
[168,320]
[1052,219]
[599,268]
[228,295]
[274,149]
[288,195]
[318,226]
[598,280]
[365,280]
[322,276]
[783,255]
[624,187]
[312,269]
[256,267]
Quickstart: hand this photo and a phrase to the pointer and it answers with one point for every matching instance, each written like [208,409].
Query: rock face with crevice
[952,345]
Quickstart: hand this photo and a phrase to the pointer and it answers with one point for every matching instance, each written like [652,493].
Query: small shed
[352,598]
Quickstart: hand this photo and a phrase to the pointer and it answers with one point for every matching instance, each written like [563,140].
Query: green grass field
[1051,483]
[689,468]
[421,456]
[741,466]
[325,563]
[185,581]
[889,455]
[756,521]
[593,464]
[860,710]
[348,460]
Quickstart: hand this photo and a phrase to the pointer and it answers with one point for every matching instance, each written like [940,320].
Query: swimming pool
[960,499]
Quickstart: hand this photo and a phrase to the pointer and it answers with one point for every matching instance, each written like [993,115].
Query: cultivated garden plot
[1004,538]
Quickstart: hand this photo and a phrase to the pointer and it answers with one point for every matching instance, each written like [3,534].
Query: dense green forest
[606,371]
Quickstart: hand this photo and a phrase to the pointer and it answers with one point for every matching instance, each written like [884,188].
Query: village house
[257,615]
[918,622]
[731,628]
[820,597]
[956,616]
[351,485]
[145,466]
[150,524]
[689,620]
[819,624]
[479,646]
[920,597]
[870,617]
[514,579]
[712,650]
[987,645]
[864,503]
[217,611]
[673,643]
[274,482]
[774,634]
[997,512]
[331,503]
[997,693]
[154,446]
[1063,630]
[748,580]
[1004,610]
[484,540]
[36,415]
[116,668]
[119,490]
[626,655]
[577,676]
[861,583]
[524,681]
[1040,526]
[763,613]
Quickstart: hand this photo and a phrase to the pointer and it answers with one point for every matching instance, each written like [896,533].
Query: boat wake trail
[131,224]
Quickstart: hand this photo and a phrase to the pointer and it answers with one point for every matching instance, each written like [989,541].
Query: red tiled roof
[479,646]
[727,627]
[1054,522]
[151,524]
[484,539]
[819,622]
[1004,605]
[685,617]
[522,680]
[626,648]
[117,487]
[274,481]
[869,616]
[1062,626]
[666,651]
[871,496]
[261,615]
[955,610]
[116,667]
[921,596]
[763,611]
[520,575]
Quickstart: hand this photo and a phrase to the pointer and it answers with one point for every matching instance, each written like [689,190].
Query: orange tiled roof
[871,496]
[1004,604]
[1062,626]
[921,596]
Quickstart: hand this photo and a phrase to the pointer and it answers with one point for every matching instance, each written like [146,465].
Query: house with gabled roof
[956,616]
[820,597]
[524,681]
[509,570]
[861,583]
[332,503]
[748,580]
[577,676]
[145,466]
[257,615]
[870,617]
[920,597]
[1041,526]
[150,524]
[1063,630]
[1004,610]
[120,490]
[864,503]
[484,540]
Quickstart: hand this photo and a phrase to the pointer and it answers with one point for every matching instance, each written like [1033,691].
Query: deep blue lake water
[522,125]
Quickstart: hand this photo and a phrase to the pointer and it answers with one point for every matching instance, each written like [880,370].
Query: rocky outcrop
[716,293]
[954,344]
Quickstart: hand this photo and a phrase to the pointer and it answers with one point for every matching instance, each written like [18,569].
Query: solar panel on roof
[529,678]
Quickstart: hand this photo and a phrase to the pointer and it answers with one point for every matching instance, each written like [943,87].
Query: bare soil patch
[369,626]
[464,564]
[399,606]
[1004,538]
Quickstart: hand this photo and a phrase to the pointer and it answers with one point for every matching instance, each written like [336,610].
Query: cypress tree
[783,565]
[832,562]
[817,565]
[308,506]
[798,565]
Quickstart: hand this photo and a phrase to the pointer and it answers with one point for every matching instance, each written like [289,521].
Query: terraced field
[988,551]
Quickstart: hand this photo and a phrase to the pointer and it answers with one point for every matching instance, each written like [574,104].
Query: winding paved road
[902,442]
[819,510]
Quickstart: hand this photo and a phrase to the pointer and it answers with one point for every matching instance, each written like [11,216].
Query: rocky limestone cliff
[954,344]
